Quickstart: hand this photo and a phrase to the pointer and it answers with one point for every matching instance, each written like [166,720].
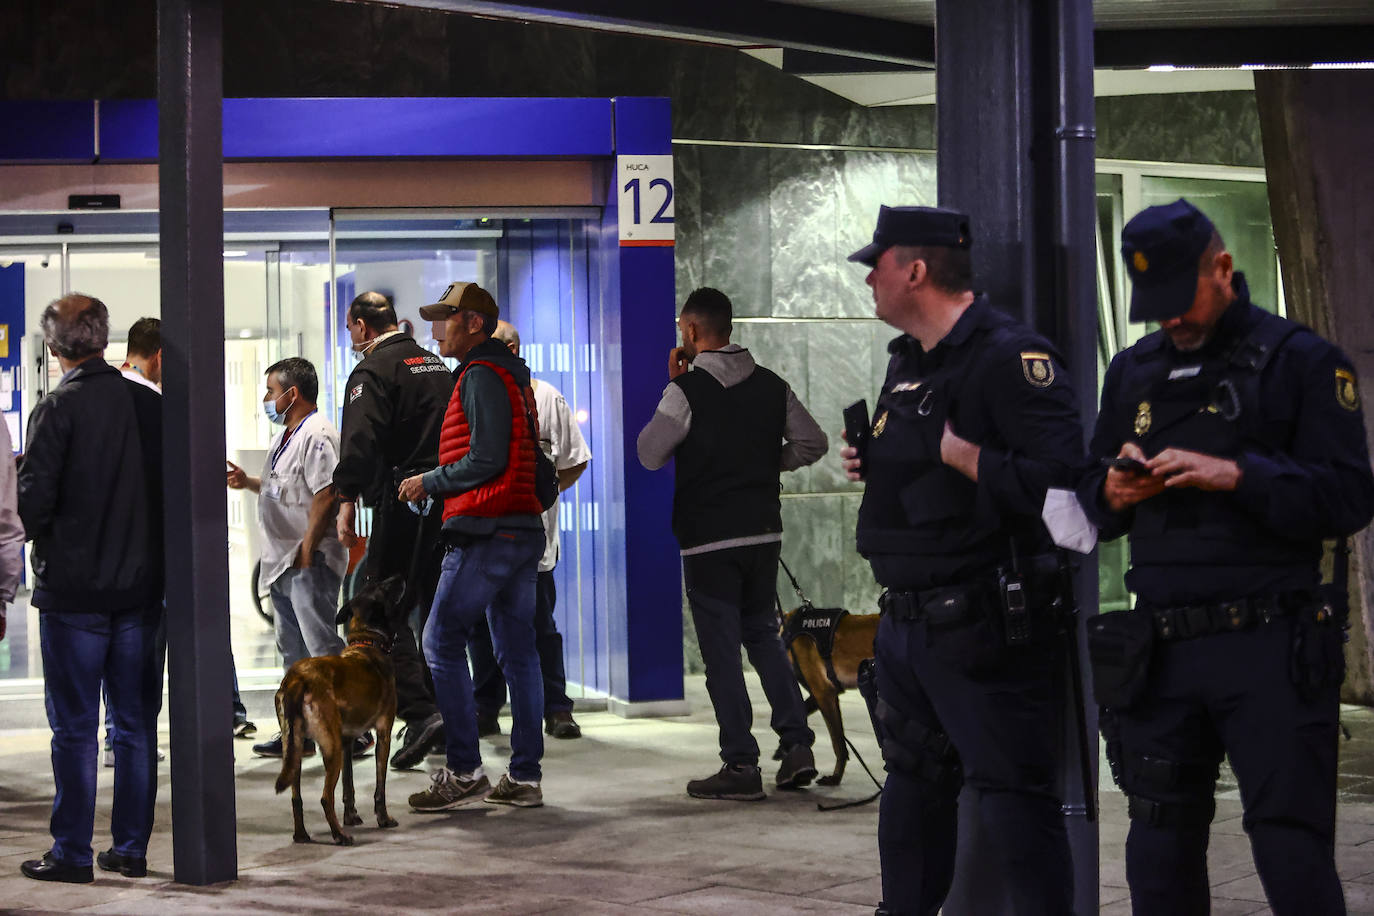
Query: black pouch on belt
[1319,634]
[1120,644]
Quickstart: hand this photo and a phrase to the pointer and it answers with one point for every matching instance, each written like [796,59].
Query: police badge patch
[1347,392]
[880,424]
[1037,369]
[354,393]
[1142,418]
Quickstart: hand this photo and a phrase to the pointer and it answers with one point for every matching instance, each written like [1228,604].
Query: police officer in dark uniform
[975,421]
[393,407]
[1251,449]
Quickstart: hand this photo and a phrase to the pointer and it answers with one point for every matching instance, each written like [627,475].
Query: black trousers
[731,595]
[1230,693]
[390,551]
[1000,709]
[489,685]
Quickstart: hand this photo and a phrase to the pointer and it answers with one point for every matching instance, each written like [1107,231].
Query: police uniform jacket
[923,524]
[393,410]
[1267,393]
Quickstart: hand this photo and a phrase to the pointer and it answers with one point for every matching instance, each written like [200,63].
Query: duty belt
[967,601]
[940,606]
[1193,620]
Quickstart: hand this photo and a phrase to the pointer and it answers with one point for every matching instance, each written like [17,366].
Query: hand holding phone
[1129,465]
[677,362]
[856,433]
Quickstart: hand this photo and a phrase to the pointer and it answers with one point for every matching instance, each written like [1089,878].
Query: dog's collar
[373,640]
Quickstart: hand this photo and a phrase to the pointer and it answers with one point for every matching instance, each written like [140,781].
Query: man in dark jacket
[392,411]
[94,514]
[494,529]
[733,427]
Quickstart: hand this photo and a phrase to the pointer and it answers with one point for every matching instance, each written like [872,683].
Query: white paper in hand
[1067,523]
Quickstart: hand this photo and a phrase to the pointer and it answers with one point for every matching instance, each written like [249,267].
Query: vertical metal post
[1075,330]
[1015,113]
[191,228]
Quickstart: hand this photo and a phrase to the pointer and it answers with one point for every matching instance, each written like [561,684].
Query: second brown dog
[853,643]
[334,699]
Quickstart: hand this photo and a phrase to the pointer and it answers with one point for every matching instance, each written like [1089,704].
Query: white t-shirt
[134,375]
[562,441]
[297,467]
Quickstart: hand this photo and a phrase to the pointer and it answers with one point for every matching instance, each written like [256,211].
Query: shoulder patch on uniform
[354,393]
[1347,392]
[1037,368]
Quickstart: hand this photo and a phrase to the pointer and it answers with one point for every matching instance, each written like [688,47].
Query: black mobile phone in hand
[1129,465]
[856,426]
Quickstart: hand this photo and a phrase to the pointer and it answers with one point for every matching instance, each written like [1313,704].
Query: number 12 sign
[645,186]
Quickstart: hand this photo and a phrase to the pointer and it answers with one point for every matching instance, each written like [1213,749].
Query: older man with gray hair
[90,499]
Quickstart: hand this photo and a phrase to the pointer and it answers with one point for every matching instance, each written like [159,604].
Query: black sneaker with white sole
[734,782]
[419,738]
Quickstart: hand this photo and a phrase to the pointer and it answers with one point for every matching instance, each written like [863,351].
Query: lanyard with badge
[272,486]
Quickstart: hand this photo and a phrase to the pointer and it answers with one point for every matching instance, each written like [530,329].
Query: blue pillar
[637,285]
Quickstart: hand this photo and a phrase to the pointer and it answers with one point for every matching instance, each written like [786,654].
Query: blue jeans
[124,649]
[495,576]
[304,604]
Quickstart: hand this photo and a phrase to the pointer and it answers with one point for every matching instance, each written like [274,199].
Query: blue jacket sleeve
[1042,438]
[1104,445]
[1322,486]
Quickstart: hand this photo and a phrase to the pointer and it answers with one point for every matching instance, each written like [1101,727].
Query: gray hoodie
[805,442]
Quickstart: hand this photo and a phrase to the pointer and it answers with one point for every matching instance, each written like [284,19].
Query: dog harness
[817,624]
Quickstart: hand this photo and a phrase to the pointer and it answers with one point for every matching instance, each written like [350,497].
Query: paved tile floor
[617,835]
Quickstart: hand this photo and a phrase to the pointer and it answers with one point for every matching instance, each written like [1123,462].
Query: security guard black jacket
[393,408]
[1267,393]
[923,524]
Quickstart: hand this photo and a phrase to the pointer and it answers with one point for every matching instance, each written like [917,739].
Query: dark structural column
[1318,129]
[1015,151]
[191,228]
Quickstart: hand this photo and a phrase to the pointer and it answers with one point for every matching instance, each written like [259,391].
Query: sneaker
[128,866]
[797,769]
[488,724]
[244,729]
[560,724]
[519,794]
[272,747]
[419,737]
[734,782]
[446,792]
[362,744]
[109,755]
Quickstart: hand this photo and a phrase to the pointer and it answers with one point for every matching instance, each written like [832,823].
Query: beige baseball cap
[459,297]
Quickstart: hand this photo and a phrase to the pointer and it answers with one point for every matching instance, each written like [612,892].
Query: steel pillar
[1015,152]
[191,229]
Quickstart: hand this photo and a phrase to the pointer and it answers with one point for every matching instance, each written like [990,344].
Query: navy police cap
[1162,246]
[915,226]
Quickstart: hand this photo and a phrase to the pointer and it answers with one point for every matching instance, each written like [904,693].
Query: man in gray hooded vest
[733,427]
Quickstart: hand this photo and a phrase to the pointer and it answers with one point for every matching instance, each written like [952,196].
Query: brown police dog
[853,643]
[335,698]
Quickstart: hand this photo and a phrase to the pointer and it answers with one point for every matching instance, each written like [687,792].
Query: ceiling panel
[1143,14]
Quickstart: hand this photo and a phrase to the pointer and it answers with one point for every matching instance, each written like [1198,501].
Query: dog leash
[806,602]
[840,806]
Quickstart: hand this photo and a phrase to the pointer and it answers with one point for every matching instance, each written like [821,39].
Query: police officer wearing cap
[393,407]
[1231,444]
[975,421]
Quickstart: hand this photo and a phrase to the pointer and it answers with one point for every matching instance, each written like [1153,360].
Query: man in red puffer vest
[494,535]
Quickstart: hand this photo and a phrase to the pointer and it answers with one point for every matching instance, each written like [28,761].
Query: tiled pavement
[617,835]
